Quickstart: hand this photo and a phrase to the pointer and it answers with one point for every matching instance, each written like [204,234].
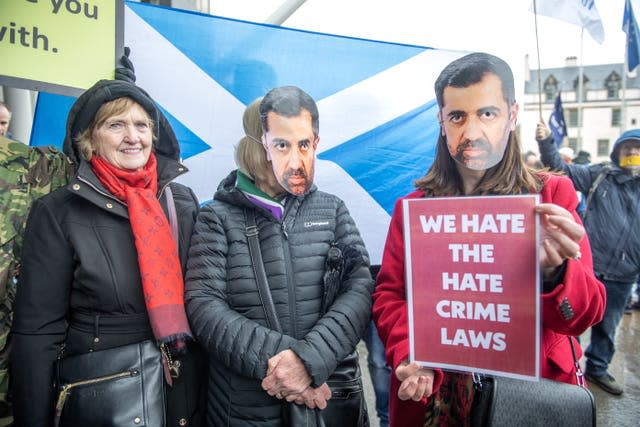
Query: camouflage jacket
[26,173]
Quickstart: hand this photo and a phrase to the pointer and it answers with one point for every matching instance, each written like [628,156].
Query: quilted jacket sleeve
[241,344]
[340,329]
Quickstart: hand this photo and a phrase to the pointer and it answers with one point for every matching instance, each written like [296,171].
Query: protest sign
[472,283]
[61,46]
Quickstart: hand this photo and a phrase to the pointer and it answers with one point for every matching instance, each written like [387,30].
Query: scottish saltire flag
[578,12]
[378,124]
[556,121]
[630,27]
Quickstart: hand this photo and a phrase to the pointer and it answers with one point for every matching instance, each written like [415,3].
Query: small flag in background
[630,26]
[556,121]
[578,12]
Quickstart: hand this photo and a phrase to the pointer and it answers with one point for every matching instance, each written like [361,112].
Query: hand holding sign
[560,237]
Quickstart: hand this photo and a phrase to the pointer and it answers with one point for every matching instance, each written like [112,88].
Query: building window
[573,117]
[615,117]
[550,88]
[612,84]
[573,144]
[603,147]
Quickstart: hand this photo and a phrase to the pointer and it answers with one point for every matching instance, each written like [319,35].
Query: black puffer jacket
[80,269]
[224,305]
[613,216]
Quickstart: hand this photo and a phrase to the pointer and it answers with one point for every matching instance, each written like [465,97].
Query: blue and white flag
[378,124]
[577,12]
[630,27]
[556,122]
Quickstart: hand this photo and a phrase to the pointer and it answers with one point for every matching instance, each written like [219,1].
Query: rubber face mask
[291,147]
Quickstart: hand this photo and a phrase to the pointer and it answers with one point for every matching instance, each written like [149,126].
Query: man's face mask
[476,122]
[291,146]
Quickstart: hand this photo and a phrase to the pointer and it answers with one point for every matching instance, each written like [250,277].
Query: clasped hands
[287,378]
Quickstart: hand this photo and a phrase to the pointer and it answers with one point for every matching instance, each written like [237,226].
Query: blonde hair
[250,155]
[109,109]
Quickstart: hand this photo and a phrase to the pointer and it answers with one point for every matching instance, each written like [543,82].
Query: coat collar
[87,185]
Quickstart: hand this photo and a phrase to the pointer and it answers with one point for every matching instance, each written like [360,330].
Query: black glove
[125,70]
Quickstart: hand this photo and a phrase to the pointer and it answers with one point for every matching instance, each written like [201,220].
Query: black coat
[224,305]
[79,256]
[80,261]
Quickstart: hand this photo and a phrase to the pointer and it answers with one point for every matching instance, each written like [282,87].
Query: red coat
[583,291]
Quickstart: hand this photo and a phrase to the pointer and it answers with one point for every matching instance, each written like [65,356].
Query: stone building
[607,109]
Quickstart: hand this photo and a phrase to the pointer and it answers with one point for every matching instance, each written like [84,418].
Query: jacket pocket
[559,353]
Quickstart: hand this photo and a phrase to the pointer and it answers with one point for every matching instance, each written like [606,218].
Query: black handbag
[119,386]
[347,406]
[512,402]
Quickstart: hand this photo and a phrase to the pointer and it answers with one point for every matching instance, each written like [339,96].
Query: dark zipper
[290,285]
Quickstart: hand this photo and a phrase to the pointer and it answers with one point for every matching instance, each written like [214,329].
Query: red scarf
[160,269]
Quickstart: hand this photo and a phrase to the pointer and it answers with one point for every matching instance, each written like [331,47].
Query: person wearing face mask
[278,327]
[612,221]
[478,153]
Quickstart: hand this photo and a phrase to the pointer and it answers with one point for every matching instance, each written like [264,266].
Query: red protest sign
[472,283]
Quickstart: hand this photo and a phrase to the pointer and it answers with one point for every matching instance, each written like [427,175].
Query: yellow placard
[71,43]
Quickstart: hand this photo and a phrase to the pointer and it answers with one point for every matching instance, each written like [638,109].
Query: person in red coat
[478,153]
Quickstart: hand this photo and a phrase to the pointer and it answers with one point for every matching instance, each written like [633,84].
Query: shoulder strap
[173,217]
[601,176]
[259,271]
[579,374]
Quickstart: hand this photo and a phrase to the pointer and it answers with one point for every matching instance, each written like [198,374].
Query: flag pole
[580,92]
[283,13]
[535,20]
[623,107]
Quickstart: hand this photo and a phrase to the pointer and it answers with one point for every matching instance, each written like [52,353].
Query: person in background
[583,158]
[103,261]
[273,345]
[631,304]
[566,154]
[5,120]
[531,159]
[379,371]
[612,223]
[478,153]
